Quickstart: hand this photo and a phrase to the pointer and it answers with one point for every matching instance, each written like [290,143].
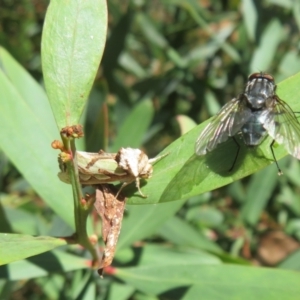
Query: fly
[255,113]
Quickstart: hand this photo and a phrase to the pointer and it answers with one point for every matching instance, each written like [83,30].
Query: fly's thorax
[259,89]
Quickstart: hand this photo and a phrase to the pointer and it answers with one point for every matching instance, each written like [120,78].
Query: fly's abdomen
[253,131]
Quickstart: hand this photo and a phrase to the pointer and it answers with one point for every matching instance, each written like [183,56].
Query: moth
[127,165]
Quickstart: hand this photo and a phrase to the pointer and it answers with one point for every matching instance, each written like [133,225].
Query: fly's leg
[271,146]
[236,155]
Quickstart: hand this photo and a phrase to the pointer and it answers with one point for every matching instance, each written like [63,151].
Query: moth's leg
[137,184]
[121,188]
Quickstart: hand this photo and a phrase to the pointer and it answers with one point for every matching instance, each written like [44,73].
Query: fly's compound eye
[269,77]
[255,76]
[261,75]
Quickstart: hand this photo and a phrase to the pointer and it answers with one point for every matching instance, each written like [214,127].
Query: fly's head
[259,90]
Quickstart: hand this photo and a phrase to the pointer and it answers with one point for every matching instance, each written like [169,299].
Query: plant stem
[81,207]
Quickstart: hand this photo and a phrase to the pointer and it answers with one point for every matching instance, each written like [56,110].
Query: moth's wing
[282,125]
[226,123]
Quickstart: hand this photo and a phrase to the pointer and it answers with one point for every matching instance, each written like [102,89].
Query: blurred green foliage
[186,58]
[21,23]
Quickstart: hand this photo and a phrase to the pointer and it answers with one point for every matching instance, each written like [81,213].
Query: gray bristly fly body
[255,113]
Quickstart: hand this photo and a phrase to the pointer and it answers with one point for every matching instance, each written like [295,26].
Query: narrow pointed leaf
[43,265]
[135,126]
[27,130]
[15,247]
[73,41]
[212,281]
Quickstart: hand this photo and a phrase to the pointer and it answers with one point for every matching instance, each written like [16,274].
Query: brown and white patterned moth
[110,208]
[127,165]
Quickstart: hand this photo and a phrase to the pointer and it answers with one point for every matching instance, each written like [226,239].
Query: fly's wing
[226,123]
[283,126]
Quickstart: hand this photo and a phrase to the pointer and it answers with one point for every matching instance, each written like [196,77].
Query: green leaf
[31,92]
[21,221]
[131,65]
[90,292]
[156,254]
[144,221]
[185,123]
[5,224]
[292,262]
[250,17]
[134,127]
[212,103]
[52,286]
[258,194]
[79,283]
[182,174]
[196,12]
[27,132]
[290,63]
[120,291]
[43,265]
[117,41]
[73,40]
[212,281]
[181,232]
[14,247]
[286,4]
[157,40]
[296,9]
[264,53]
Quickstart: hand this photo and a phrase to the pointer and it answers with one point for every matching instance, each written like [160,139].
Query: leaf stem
[81,206]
